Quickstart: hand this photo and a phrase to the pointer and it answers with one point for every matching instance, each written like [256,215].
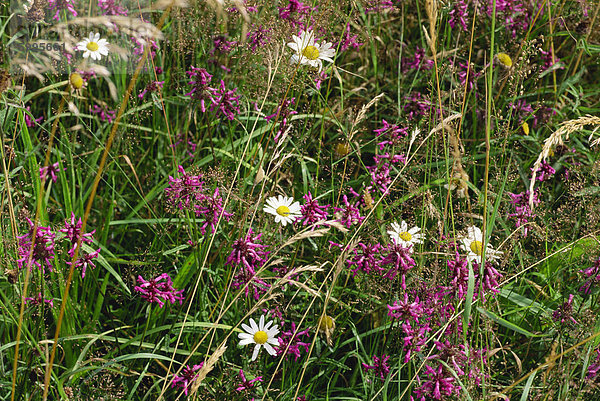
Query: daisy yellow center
[310,52]
[76,80]
[405,236]
[283,210]
[505,59]
[342,149]
[326,323]
[260,337]
[92,46]
[476,247]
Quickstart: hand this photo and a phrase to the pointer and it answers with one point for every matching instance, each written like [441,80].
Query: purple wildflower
[453,355]
[199,81]
[211,208]
[59,5]
[392,133]
[152,87]
[405,310]
[29,121]
[225,101]
[182,192]
[522,212]
[73,233]
[311,211]
[521,109]
[104,113]
[348,41]
[459,271]
[380,366]
[418,61]
[258,37]
[414,339]
[466,76]
[490,277]
[188,376]
[247,252]
[348,215]
[248,255]
[247,384]
[594,368]
[50,170]
[140,48]
[39,250]
[247,279]
[399,261]
[439,383]
[545,171]
[188,145]
[376,6]
[290,343]
[548,61]
[38,300]
[593,275]
[367,260]
[459,15]
[321,76]
[111,7]
[564,313]
[417,105]
[295,12]
[380,172]
[155,289]
[221,45]
[85,261]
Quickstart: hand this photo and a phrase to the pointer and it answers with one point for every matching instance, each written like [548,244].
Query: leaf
[505,323]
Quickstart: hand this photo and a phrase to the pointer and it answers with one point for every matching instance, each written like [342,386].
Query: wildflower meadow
[300,200]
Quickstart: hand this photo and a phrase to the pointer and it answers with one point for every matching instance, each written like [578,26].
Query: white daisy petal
[254,326]
[308,52]
[255,352]
[269,348]
[246,341]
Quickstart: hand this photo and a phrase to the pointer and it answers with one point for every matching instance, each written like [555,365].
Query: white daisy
[93,47]
[263,335]
[283,208]
[401,235]
[473,244]
[310,52]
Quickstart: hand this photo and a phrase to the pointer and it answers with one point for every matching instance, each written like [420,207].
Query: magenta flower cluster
[38,248]
[221,99]
[188,376]
[248,256]
[522,211]
[592,275]
[112,7]
[389,261]
[380,366]
[290,342]
[159,289]
[391,133]
[311,211]
[188,193]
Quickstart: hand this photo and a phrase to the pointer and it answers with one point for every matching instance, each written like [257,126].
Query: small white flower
[309,52]
[401,235]
[93,46]
[263,335]
[473,244]
[283,208]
